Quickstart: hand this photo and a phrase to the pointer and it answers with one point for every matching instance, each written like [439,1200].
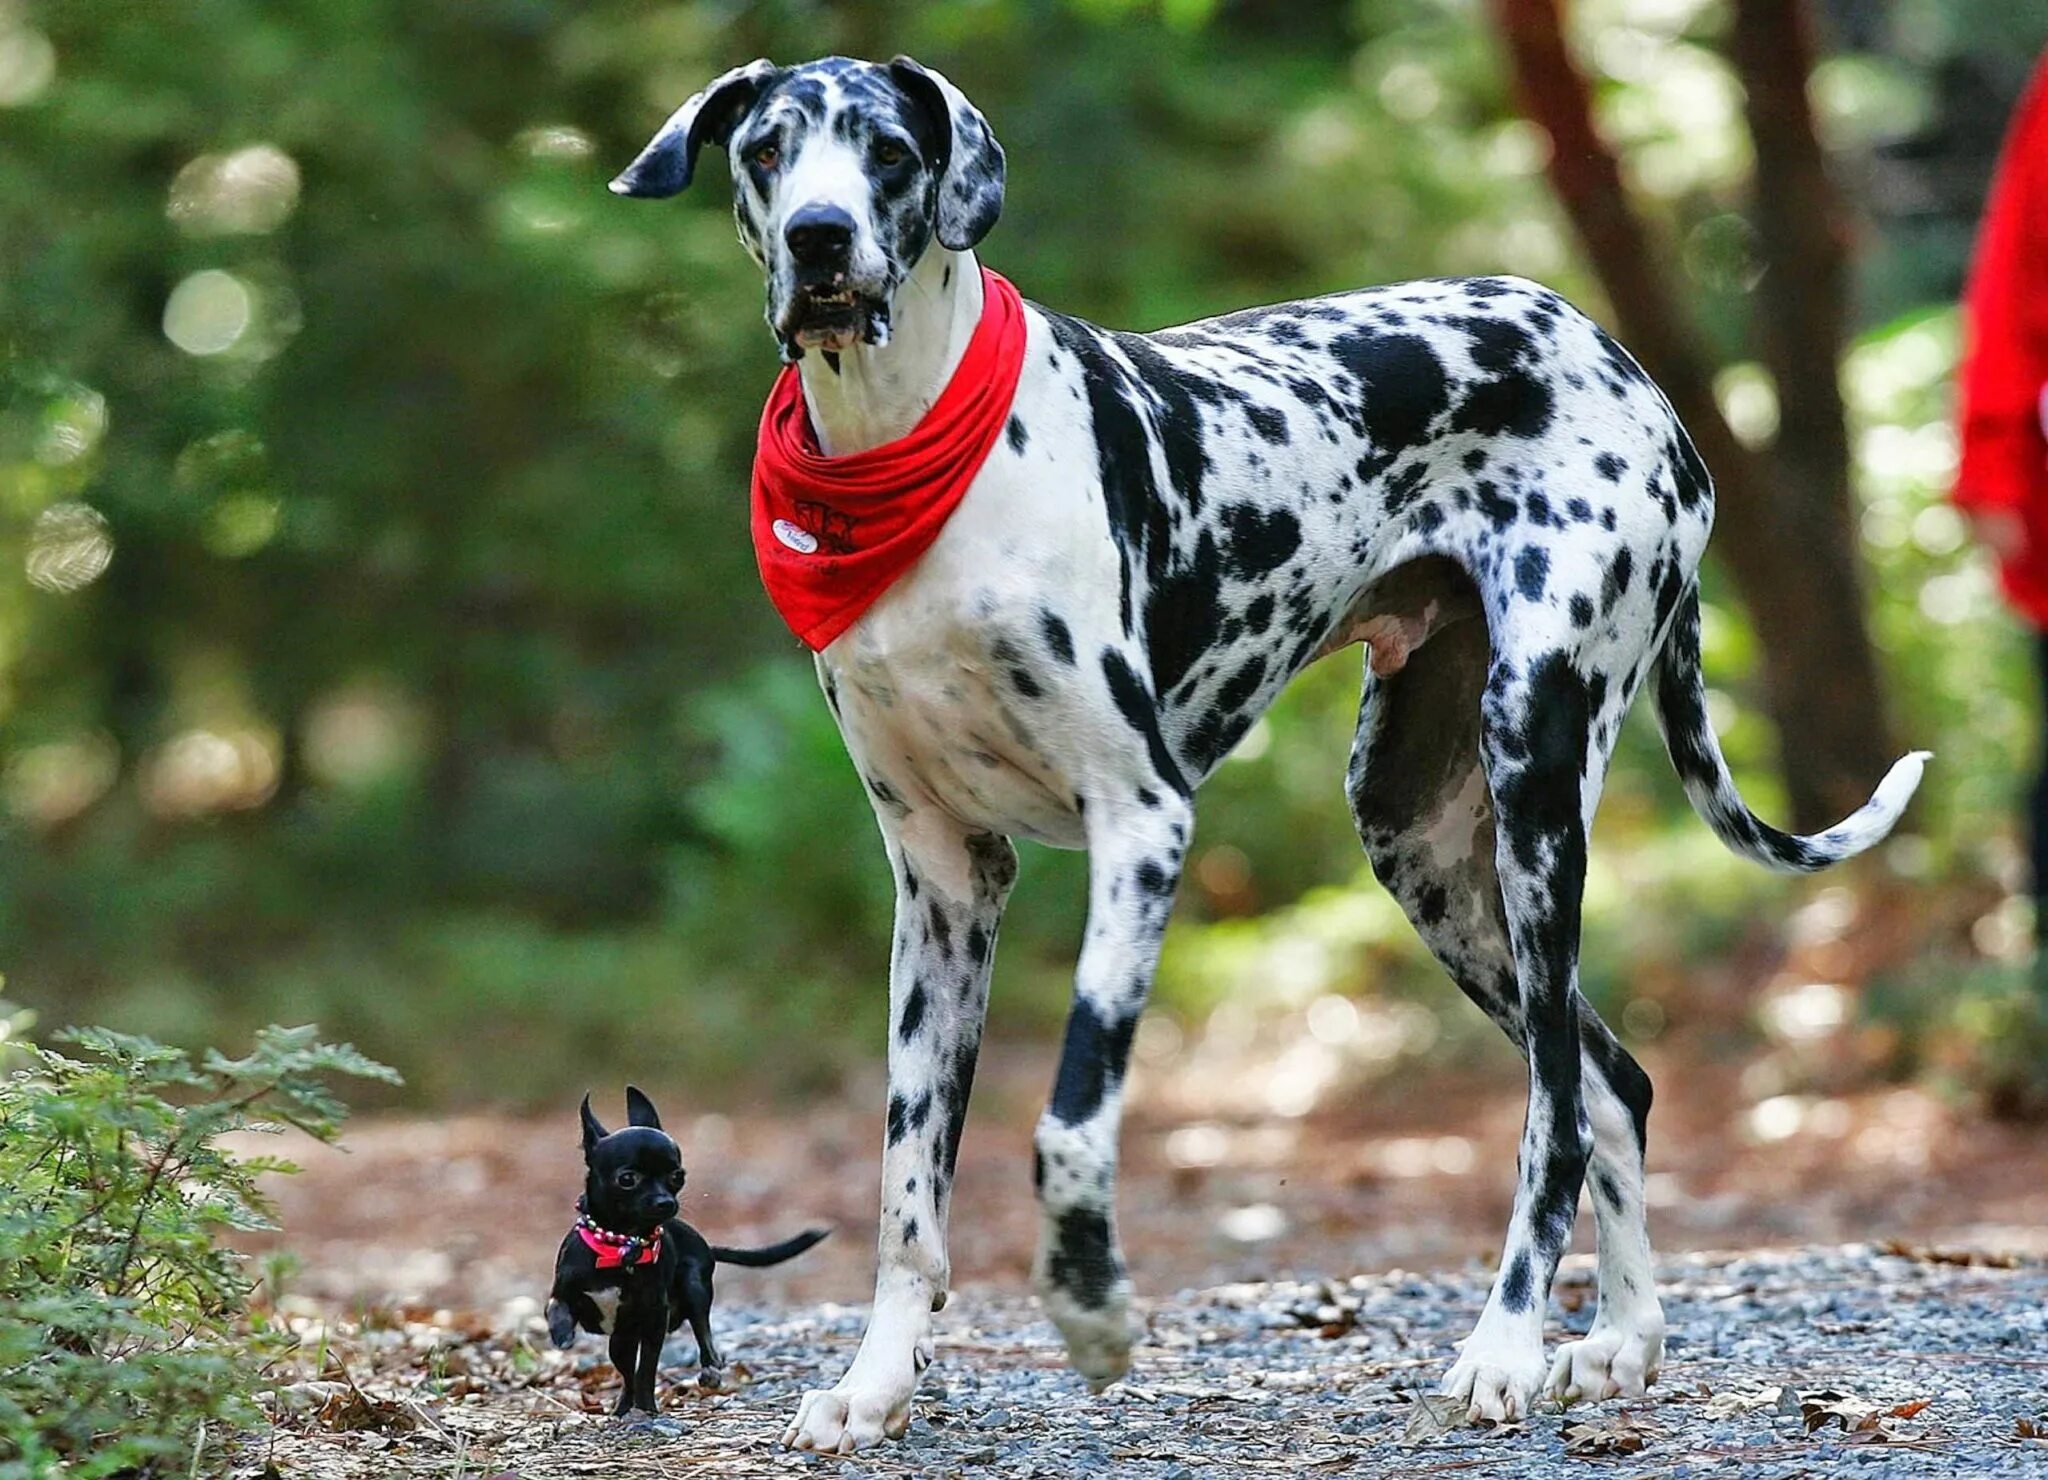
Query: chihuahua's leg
[625,1350]
[950,889]
[1134,862]
[696,1293]
[561,1323]
[651,1335]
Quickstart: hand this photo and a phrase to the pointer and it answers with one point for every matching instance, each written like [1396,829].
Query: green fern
[125,1338]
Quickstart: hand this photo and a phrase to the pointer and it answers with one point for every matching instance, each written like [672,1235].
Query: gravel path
[1824,1362]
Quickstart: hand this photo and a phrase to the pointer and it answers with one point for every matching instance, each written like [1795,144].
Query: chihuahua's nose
[666,1206]
[819,236]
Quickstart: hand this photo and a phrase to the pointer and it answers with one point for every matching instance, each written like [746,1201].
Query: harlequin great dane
[1466,476]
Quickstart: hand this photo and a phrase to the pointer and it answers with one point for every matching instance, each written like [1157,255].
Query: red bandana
[831,534]
[615,1249]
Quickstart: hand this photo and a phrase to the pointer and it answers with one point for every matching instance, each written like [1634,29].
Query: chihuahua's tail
[789,1248]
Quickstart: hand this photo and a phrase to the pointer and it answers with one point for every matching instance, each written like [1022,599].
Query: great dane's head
[843,175]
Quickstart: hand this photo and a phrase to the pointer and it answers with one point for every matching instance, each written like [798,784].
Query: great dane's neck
[878,392]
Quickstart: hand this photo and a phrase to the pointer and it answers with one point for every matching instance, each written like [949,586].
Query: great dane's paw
[1098,1337]
[1497,1382]
[1612,1361]
[711,1379]
[872,1402]
[846,1419]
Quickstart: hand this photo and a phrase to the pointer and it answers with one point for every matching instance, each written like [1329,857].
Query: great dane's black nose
[819,237]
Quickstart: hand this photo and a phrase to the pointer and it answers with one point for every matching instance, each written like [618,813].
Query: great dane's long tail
[1696,752]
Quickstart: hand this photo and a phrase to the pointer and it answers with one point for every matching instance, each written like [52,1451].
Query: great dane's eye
[767,156]
[889,154]
[629,1180]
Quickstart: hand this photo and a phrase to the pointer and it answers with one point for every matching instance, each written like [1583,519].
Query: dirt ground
[1269,1250]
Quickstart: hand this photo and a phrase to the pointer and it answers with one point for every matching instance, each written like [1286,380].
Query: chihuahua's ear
[665,166]
[640,1109]
[592,1131]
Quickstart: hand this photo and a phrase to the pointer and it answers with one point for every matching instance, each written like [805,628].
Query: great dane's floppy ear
[640,1109]
[970,165]
[592,1131]
[664,167]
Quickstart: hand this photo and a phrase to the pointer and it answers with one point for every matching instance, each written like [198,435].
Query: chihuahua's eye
[629,1180]
[767,156]
[889,154]
[675,1181]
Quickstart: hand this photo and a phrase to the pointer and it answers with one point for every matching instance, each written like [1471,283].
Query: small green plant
[126,1339]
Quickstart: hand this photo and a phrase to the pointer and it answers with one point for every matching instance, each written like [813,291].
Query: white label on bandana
[800,540]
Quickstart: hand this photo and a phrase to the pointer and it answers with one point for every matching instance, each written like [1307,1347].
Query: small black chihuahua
[630,1268]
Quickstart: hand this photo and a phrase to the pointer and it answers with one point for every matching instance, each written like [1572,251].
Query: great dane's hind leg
[1425,814]
[1136,848]
[1535,731]
[1619,1357]
[950,890]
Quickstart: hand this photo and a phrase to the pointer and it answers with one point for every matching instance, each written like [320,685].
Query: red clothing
[831,534]
[2005,366]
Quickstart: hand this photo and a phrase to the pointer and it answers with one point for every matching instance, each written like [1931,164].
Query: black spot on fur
[1615,584]
[1183,612]
[1139,712]
[1244,683]
[912,1021]
[906,1116]
[1403,384]
[1091,1062]
[1057,637]
[1016,433]
[1259,540]
[1082,1261]
[1514,1290]
[1268,421]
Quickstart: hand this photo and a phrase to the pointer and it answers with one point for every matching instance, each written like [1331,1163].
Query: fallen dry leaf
[1435,1415]
[1590,1440]
[1940,1254]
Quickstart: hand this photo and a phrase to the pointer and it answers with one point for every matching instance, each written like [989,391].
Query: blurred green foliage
[379,639]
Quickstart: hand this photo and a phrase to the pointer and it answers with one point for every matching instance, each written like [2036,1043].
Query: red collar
[616,1249]
[831,534]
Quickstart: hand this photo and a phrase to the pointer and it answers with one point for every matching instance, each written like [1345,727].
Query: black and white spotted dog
[1466,476]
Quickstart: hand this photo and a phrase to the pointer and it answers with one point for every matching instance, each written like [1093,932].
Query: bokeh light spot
[69,547]
[208,312]
[28,65]
[248,192]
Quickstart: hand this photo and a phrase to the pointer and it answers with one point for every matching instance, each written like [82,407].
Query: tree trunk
[1786,530]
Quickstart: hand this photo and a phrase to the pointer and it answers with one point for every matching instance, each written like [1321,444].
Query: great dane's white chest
[931,710]
[949,692]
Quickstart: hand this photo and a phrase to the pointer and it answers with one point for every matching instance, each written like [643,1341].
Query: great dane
[1467,476]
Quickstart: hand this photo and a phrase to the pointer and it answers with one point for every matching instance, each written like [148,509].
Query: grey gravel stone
[1803,1363]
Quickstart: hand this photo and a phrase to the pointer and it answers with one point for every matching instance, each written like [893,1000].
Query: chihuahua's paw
[846,1419]
[561,1325]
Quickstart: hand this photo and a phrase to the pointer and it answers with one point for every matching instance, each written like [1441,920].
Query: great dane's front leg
[1134,867]
[950,889]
